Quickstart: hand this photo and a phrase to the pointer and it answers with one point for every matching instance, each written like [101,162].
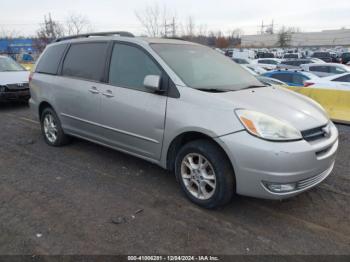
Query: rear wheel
[51,128]
[205,174]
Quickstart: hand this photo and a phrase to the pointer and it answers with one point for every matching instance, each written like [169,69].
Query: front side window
[201,67]
[86,61]
[9,65]
[129,67]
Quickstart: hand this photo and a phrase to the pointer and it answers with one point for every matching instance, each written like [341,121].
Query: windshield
[9,65]
[200,67]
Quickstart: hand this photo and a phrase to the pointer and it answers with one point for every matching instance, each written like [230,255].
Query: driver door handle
[108,93]
[93,90]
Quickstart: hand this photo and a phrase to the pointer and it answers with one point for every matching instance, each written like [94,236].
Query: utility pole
[170,29]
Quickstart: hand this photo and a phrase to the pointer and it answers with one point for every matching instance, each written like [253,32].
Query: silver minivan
[186,108]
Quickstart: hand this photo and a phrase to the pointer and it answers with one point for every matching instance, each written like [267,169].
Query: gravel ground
[86,199]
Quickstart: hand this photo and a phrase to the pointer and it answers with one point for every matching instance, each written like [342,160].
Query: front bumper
[257,161]
[15,96]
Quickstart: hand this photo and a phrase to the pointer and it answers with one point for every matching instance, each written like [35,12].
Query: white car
[13,81]
[338,82]
[323,70]
[249,66]
[267,63]
[255,68]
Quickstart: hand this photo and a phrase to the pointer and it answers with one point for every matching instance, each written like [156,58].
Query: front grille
[17,87]
[315,133]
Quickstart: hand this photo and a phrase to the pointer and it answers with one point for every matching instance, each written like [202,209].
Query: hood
[280,103]
[7,78]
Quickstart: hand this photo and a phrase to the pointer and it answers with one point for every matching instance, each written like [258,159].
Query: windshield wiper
[213,90]
[253,86]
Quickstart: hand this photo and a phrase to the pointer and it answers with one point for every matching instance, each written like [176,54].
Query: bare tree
[76,24]
[190,27]
[284,37]
[235,33]
[48,31]
[153,19]
[202,30]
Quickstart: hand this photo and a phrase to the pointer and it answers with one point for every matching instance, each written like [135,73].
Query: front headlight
[267,127]
[3,88]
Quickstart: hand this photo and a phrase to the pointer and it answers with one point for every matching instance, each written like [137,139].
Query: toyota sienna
[186,108]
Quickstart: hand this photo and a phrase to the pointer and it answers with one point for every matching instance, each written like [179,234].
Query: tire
[59,139]
[216,176]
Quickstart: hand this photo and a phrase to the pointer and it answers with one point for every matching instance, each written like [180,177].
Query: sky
[24,16]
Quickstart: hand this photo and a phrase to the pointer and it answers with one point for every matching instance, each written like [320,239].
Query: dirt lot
[63,201]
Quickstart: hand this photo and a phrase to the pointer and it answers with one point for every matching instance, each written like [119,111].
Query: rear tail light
[308,84]
[31,77]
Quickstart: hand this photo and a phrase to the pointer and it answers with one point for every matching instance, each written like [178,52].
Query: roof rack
[120,33]
[174,38]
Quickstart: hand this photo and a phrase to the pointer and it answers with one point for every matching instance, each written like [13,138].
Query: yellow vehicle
[336,102]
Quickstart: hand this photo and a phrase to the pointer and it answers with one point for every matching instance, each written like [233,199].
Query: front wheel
[205,174]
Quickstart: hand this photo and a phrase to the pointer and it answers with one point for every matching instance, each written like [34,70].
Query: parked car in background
[318,61]
[13,81]
[339,82]
[294,63]
[291,78]
[345,58]
[241,61]
[271,81]
[144,96]
[291,56]
[265,55]
[254,69]
[267,63]
[250,70]
[328,69]
[335,57]
[325,56]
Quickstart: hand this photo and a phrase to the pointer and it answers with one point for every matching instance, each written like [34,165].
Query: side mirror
[153,83]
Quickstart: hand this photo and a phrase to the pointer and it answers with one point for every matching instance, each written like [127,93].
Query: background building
[326,38]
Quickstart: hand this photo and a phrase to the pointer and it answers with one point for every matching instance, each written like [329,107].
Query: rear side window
[345,78]
[287,78]
[323,69]
[50,60]
[129,67]
[299,79]
[86,61]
